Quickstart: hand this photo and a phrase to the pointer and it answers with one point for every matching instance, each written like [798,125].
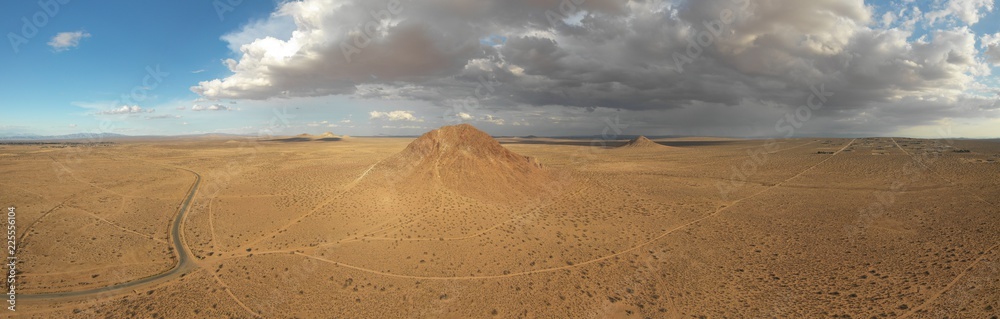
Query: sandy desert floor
[691,228]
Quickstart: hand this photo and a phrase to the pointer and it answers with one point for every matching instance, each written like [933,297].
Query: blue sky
[42,87]
[48,91]
[72,74]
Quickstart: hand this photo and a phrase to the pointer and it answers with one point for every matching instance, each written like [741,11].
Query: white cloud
[617,54]
[162,117]
[198,71]
[67,40]
[395,116]
[968,11]
[991,48]
[888,18]
[405,127]
[494,120]
[213,107]
[126,109]
[276,26]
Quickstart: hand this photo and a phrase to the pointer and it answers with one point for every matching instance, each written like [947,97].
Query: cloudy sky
[748,68]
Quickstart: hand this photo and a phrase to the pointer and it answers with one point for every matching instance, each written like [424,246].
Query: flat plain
[455,224]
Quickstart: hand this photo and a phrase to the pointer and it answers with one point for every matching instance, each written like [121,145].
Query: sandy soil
[463,227]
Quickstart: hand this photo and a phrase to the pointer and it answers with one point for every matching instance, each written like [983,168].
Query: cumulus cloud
[67,40]
[636,55]
[341,123]
[991,48]
[394,116]
[491,119]
[277,26]
[213,107]
[126,109]
[162,117]
[967,11]
[407,127]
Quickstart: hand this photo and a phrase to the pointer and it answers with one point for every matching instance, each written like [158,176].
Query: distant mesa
[642,142]
[306,137]
[468,161]
[329,136]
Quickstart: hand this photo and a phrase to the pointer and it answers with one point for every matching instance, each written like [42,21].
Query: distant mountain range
[77,136]
[98,137]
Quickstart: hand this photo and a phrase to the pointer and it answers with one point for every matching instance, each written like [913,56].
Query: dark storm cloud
[629,55]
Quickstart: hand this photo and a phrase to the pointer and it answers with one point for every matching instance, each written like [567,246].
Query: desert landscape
[459,224]
[382,159]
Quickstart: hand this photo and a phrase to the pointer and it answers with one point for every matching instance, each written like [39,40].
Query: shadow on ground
[305,139]
[603,143]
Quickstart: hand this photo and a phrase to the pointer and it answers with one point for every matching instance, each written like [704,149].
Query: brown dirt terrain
[463,160]
[456,224]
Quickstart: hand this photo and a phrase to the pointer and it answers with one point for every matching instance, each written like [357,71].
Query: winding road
[184,258]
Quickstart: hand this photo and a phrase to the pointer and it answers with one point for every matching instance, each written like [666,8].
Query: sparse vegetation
[371,234]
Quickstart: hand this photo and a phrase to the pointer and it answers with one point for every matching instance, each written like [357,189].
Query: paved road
[184,258]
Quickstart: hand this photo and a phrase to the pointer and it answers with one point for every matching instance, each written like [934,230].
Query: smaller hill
[328,137]
[642,142]
[325,137]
